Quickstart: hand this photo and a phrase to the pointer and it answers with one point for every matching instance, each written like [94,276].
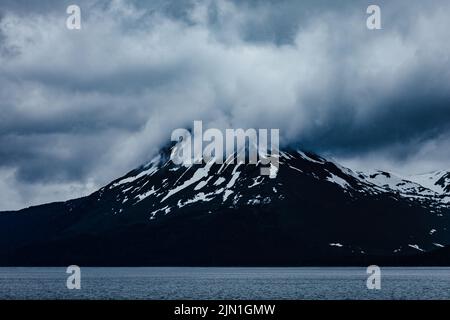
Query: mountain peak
[308,204]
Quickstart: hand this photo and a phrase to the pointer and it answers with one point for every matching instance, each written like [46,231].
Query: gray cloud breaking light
[80,108]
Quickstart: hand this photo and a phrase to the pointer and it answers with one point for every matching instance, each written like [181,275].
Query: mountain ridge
[327,213]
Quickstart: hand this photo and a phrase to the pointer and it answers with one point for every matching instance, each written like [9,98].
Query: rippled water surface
[224,283]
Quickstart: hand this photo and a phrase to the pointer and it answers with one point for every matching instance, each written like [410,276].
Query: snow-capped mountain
[433,187]
[438,181]
[310,210]
[233,184]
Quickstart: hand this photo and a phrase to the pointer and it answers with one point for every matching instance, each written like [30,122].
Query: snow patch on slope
[198,175]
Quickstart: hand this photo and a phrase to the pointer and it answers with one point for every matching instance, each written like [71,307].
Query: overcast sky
[80,108]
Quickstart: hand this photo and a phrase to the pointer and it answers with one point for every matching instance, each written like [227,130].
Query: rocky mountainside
[309,211]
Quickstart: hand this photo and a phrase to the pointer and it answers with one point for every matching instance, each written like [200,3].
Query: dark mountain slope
[312,211]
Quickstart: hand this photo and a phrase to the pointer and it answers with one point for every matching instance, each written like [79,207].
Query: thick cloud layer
[79,108]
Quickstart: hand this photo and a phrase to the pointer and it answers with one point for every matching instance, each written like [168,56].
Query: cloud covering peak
[79,108]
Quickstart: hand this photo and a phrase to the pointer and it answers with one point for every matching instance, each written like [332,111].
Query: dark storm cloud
[79,108]
[418,109]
